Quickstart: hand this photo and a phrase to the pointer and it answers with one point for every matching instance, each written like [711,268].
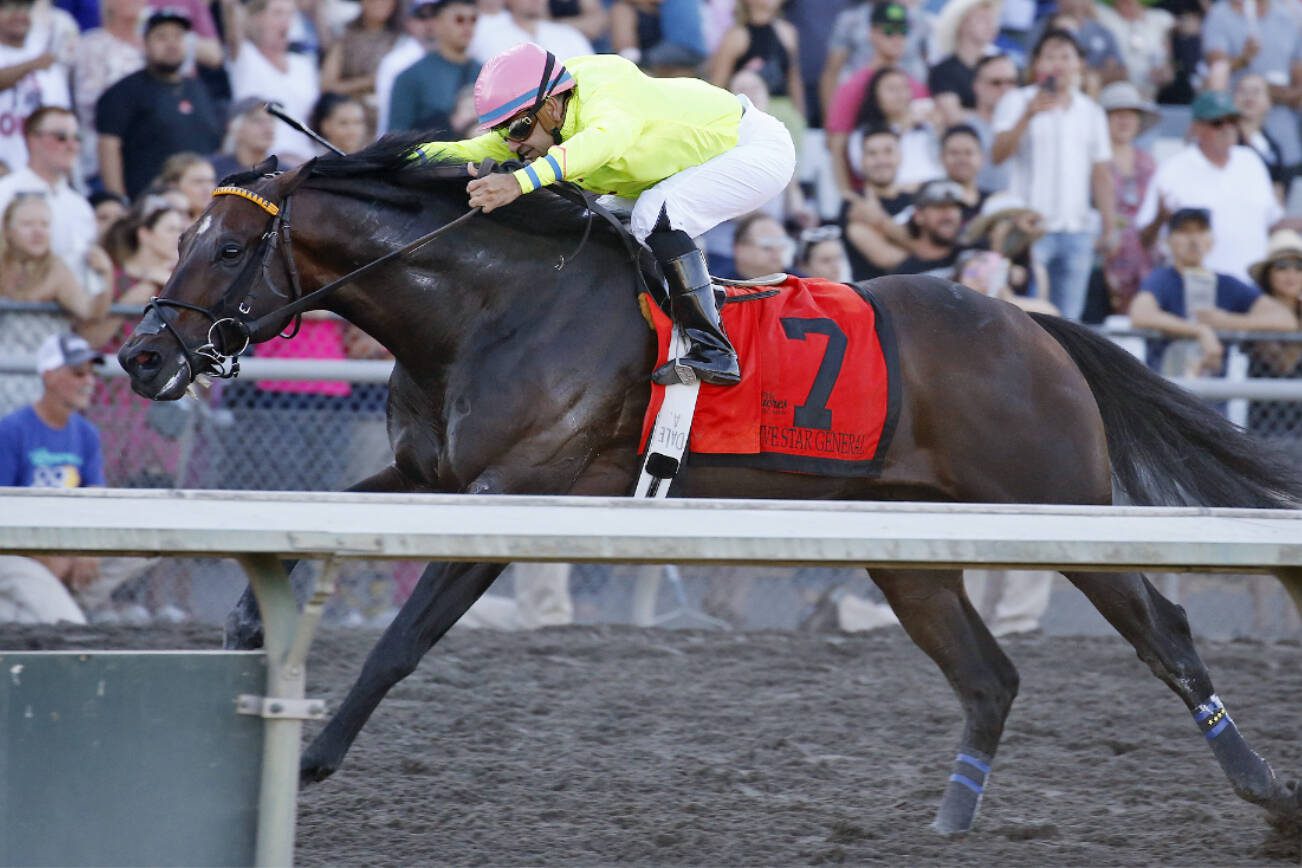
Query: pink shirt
[200,15]
[850,95]
[317,339]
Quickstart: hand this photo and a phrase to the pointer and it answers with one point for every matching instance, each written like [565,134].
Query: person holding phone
[1055,141]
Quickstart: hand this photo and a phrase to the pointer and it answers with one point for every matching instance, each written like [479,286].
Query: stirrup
[673,373]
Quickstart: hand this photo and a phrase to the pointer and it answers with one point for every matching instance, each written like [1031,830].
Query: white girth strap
[668,442]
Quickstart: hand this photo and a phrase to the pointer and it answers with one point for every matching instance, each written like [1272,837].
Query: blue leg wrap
[1250,775]
[967,783]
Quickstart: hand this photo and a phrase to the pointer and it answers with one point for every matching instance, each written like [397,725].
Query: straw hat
[996,207]
[1284,244]
[945,33]
[1121,95]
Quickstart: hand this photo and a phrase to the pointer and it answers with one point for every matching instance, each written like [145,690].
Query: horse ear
[267,166]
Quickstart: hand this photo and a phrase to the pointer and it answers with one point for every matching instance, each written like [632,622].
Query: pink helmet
[517,81]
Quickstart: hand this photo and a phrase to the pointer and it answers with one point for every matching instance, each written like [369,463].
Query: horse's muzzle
[155,374]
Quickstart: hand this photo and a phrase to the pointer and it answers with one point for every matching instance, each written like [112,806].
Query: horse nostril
[146,361]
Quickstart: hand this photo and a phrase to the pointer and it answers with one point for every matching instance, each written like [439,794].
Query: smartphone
[1050,84]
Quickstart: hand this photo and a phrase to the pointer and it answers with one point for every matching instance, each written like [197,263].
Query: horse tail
[1167,447]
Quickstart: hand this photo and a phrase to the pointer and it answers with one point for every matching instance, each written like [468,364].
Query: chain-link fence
[286,434]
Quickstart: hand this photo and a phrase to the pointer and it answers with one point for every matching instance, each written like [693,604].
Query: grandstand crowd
[1044,152]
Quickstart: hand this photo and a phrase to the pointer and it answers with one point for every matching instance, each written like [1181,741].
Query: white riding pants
[726,187]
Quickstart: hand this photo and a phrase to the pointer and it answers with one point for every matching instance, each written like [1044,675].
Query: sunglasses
[894,30]
[1291,264]
[519,129]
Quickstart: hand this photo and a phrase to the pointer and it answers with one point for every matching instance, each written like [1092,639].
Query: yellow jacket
[623,131]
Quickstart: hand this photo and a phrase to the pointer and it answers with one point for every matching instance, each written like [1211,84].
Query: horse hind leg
[934,610]
[1159,632]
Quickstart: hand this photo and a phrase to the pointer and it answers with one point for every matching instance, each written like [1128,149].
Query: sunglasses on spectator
[894,29]
[60,135]
[519,129]
[1290,264]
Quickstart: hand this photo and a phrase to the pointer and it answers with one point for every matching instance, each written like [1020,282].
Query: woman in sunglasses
[692,156]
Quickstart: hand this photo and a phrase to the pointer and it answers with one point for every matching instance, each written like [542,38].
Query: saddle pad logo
[815,395]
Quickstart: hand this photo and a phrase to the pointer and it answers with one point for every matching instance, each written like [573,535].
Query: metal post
[287,637]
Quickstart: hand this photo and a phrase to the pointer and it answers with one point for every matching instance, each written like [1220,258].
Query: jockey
[691,154]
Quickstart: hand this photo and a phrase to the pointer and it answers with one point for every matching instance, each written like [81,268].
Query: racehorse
[514,376]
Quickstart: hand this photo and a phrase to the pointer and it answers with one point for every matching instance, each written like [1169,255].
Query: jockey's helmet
[518,81]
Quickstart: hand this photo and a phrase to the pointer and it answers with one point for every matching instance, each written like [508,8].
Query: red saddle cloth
[817,393]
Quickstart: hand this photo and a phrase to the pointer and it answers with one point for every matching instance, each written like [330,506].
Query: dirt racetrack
[591,745]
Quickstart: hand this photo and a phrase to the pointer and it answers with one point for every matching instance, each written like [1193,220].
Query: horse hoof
[240,636]
[310,772]
[947,831]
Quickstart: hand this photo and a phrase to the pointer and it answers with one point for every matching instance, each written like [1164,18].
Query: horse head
[234,272]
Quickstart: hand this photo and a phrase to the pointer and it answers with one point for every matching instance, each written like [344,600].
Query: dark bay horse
[515,377]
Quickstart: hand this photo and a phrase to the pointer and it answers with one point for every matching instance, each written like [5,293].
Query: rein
[216,357]
[224,332]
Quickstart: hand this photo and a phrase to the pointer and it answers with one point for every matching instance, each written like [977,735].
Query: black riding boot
[691,297]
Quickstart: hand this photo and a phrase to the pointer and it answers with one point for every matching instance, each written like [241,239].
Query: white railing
[258,529]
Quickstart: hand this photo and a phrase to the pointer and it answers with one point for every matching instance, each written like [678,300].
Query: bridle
[230,334]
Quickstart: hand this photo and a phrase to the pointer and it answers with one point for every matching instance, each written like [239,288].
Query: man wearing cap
[938,219]
[1227,179]
[425,93]
[155,112]
[1188,299]
[49,444]
[30,76]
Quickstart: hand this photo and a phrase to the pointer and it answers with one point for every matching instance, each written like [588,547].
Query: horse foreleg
[1159,632]
[243,628]
[934,610]
[442,596]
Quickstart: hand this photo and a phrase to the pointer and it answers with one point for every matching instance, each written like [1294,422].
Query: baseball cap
[167,15]
[1184,216]
[1213,105]
[942,192]
[891,16]
[62,350]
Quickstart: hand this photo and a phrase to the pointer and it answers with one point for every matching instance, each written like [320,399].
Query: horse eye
[231,252]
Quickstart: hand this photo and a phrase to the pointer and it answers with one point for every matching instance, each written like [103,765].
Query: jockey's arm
[490,144]
[604,137]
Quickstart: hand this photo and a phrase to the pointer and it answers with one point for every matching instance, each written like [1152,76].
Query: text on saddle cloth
[818,392]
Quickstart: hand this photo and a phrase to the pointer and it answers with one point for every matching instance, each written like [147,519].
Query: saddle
[616,215]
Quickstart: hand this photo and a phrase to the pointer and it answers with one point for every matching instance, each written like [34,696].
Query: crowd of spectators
[1089,124]
[1090,158]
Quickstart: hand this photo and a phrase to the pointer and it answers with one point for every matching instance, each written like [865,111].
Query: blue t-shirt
[1167,286]
[34,455]
[425,93]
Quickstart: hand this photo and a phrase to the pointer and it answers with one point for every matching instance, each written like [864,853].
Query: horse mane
[385,171]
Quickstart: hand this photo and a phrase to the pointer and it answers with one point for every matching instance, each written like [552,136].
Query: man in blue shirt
[49,444]
[425,93]
[1186,300]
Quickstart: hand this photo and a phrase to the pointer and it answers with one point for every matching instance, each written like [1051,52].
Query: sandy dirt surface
[601,745]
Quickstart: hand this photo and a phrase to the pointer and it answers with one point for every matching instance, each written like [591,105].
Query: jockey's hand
[493,191]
